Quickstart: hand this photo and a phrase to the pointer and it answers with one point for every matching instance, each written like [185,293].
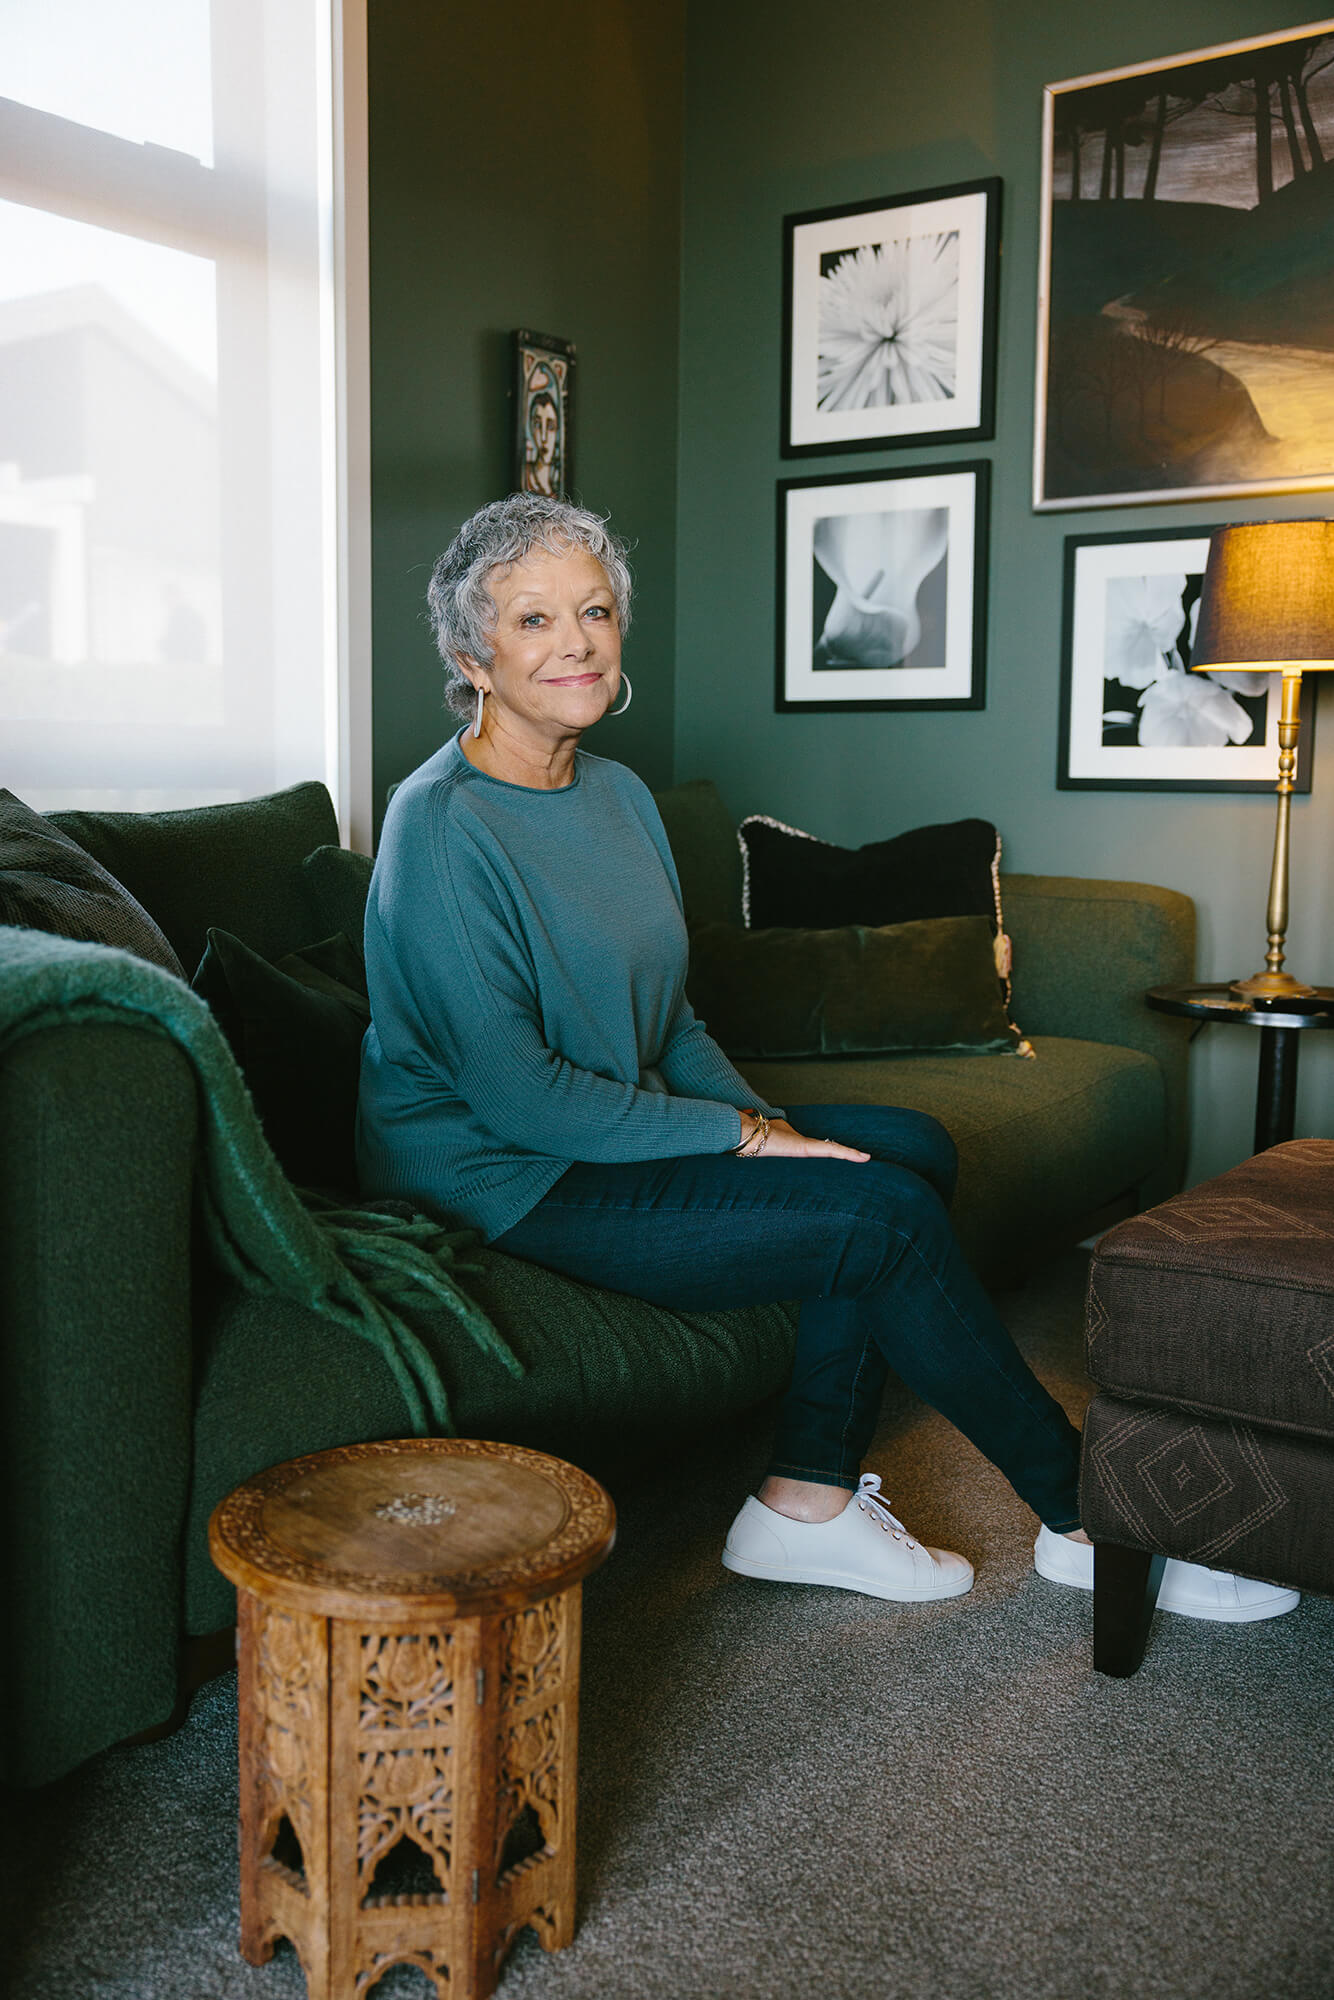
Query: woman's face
[556,644]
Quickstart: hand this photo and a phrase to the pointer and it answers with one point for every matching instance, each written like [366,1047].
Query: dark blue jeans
[868,1249]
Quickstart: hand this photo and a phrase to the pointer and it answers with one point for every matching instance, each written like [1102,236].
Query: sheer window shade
[173,532]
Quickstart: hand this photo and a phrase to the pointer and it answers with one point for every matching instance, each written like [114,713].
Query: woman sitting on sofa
[533,1068]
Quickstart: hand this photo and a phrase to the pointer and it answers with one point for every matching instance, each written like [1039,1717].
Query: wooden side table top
[413,1528]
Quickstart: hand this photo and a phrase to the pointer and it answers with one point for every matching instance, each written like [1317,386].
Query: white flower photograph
[889,321]
[1133,715]
[881,589]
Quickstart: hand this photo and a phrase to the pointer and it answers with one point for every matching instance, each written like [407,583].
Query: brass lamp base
[1263,986]
[1274,984]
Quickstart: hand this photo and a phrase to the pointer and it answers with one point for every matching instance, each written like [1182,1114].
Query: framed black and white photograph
[889,321]
[1184,330]
[882,589]
[1133,716]
[543,395]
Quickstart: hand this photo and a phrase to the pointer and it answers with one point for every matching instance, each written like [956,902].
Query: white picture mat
[1095,567]
[810,241]
[957,493]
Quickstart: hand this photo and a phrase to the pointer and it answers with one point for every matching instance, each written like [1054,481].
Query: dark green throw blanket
[353,1265]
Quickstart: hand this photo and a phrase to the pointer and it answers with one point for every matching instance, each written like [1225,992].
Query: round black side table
[1276,1085]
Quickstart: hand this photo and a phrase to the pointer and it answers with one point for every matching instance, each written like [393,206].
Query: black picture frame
[940,605]
[823,275]
[1097,631]
[542,446]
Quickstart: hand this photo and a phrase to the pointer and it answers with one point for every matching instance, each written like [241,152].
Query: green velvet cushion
[705,849]
[234,866]
[339,881]
[296,1030]
[853,991]
[49,883]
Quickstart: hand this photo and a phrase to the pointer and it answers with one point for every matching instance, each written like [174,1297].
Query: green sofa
[143,1378]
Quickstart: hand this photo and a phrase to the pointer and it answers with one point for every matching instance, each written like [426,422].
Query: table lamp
[1267,606]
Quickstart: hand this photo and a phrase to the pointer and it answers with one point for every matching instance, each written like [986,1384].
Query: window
[181,403]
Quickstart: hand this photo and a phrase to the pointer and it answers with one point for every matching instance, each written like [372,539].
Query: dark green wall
[524,171]
[791,107]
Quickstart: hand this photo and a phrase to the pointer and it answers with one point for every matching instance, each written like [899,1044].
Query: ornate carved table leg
[533,1749]
[401,1754]
[283,1670]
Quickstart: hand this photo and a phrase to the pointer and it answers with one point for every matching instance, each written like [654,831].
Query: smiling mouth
[573,680]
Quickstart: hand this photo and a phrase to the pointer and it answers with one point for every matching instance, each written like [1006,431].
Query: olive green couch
[142,1380]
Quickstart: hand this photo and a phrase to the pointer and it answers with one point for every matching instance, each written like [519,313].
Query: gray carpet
[802,1792]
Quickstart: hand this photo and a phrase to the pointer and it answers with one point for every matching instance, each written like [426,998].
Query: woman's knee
[940,1156]
[894,1210]
[912,1139]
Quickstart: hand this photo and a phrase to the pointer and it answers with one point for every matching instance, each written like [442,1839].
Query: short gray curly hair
[463,611]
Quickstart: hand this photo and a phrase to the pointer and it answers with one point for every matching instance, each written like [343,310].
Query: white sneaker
[863,1548]
[1186,1587]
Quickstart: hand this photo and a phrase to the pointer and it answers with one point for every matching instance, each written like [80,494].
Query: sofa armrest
[1084,953]
[97,1136]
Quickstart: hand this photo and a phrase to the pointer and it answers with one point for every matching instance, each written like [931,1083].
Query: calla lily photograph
[881,589]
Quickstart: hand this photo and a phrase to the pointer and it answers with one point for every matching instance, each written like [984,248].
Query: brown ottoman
[1211,1438]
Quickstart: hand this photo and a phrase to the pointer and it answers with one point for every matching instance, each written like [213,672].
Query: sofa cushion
[704,847]
[1045,1147]
[49,883]
[857,990]
[236,866]
[339,880]
[296,1030]
[607,1377]
[1221,1300]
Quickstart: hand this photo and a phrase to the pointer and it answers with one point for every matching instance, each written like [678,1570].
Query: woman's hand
[786,1143]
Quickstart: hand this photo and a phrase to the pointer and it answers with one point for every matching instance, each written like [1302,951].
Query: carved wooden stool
[409,1680]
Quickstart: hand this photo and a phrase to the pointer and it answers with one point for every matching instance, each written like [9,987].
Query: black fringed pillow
[792,880]
[797,882]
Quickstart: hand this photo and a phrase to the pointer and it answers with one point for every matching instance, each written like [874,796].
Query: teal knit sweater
[526,959]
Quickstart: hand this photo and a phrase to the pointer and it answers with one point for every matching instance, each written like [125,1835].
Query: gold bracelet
[749,1149]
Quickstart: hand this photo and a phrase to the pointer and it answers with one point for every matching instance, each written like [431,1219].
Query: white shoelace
[868,1499]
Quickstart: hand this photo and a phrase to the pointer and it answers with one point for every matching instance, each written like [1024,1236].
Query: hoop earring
[629,697]
[476,729]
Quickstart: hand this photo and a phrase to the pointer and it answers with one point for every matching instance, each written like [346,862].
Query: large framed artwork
[889,321]
[543,414]
[1186,277]
[882,589]
[1133,717]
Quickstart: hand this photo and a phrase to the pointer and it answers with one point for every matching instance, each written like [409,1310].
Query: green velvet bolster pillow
[930,984]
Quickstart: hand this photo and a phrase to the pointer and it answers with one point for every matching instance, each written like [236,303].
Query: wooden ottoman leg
[1125,1590]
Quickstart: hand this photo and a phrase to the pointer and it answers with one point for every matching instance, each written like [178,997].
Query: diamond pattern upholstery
[1210,1331]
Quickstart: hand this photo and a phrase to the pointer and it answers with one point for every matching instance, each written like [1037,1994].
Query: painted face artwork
[543,433]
